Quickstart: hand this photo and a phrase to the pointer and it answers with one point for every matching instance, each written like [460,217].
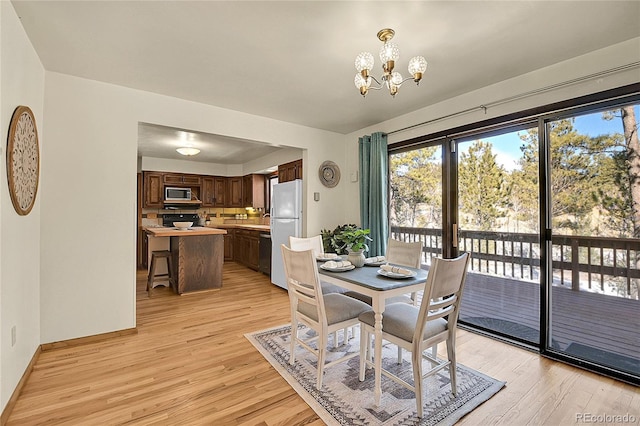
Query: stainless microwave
[177,194]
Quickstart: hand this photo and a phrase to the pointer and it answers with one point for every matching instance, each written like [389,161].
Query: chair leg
[416,361]
[451,354]
[322,351]
[434,351]
[399,355]
[152,271]
[335,339]
[365,348]
[294,336]
[369,351]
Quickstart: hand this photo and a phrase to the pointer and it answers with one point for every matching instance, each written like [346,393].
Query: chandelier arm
[377,82]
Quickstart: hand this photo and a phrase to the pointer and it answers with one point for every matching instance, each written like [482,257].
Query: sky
[507,147]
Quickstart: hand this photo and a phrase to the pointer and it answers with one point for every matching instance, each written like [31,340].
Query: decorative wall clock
[23,160]
[329,174]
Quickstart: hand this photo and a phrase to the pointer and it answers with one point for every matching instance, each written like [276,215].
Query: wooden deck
[584,324]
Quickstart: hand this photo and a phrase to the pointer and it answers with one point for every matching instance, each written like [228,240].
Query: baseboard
[6,412]
[4,417]
[88,339]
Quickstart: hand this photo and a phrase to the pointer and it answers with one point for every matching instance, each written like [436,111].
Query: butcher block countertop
[173,232]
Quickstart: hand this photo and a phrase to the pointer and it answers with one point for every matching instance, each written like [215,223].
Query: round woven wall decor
[329,174]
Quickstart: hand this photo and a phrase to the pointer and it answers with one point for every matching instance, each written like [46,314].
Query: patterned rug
[344,400]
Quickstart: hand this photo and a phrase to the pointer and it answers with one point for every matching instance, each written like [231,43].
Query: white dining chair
[315,243]
[417,328]
[322,313]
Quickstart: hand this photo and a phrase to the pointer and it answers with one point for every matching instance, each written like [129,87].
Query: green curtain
[374,166]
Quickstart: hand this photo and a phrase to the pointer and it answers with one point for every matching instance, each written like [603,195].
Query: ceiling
[293,60]
[162,141]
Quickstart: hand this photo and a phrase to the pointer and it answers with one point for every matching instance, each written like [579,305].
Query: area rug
[344,400]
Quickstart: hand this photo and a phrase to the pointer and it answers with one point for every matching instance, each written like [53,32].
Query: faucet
[266,215]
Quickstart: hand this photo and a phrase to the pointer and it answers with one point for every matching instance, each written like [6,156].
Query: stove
[168,219]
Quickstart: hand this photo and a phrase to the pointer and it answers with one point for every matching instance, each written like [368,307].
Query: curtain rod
[484,107]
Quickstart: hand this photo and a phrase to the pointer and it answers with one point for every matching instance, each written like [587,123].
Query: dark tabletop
[369,277]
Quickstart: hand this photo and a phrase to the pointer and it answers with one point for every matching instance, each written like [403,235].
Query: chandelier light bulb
[396,78]
[362,83]
[364,61]
[417,67]
[389,52]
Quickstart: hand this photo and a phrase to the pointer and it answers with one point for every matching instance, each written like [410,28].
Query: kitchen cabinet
[153,190]
[246,247]
[228,244]
[253,191]
[208,191]
[182,179]
[234,192]
[290,171]
[219,191]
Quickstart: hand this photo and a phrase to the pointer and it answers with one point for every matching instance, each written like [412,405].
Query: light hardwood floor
[189,364]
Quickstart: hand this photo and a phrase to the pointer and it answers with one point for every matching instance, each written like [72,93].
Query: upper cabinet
[213,191]
[290,171]
[153,190]
[234,192]
[253,191]
[182,179]
[208,191]
[219,191]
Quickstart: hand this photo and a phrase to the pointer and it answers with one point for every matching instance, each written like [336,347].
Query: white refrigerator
[286,221]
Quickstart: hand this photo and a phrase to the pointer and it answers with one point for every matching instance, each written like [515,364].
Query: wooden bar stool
[160,254]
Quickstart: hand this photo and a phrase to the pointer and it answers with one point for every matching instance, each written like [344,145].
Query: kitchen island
[197,256]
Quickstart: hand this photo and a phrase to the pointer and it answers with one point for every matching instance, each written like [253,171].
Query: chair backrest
[303,282]
[442,293]
[405,254]
[311,243]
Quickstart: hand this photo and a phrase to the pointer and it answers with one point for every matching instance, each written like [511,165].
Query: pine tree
[483,193]
[416,188]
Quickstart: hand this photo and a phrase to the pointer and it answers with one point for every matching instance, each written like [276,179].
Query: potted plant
[330,239]
[354,240]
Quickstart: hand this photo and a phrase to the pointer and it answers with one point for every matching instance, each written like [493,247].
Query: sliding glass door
[549,209]
[594,211]
[498,224]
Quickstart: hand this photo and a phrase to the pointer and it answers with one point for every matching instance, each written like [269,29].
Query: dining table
[370,281]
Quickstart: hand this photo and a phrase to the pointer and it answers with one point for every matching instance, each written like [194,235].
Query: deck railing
[605,265]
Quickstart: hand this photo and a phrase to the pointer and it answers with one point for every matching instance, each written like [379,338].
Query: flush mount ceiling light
[187,150]
[389,54]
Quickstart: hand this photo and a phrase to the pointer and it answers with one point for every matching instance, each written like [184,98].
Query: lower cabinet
[246,248]
[228,244]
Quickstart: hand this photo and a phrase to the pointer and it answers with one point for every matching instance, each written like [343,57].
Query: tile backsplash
[151,217]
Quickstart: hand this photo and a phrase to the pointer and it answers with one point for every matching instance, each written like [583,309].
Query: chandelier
[389,54]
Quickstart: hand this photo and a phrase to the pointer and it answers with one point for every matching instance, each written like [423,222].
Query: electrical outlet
[13,335]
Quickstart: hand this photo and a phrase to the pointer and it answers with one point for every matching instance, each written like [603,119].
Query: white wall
[21,83]
[88,239]
[612,57]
